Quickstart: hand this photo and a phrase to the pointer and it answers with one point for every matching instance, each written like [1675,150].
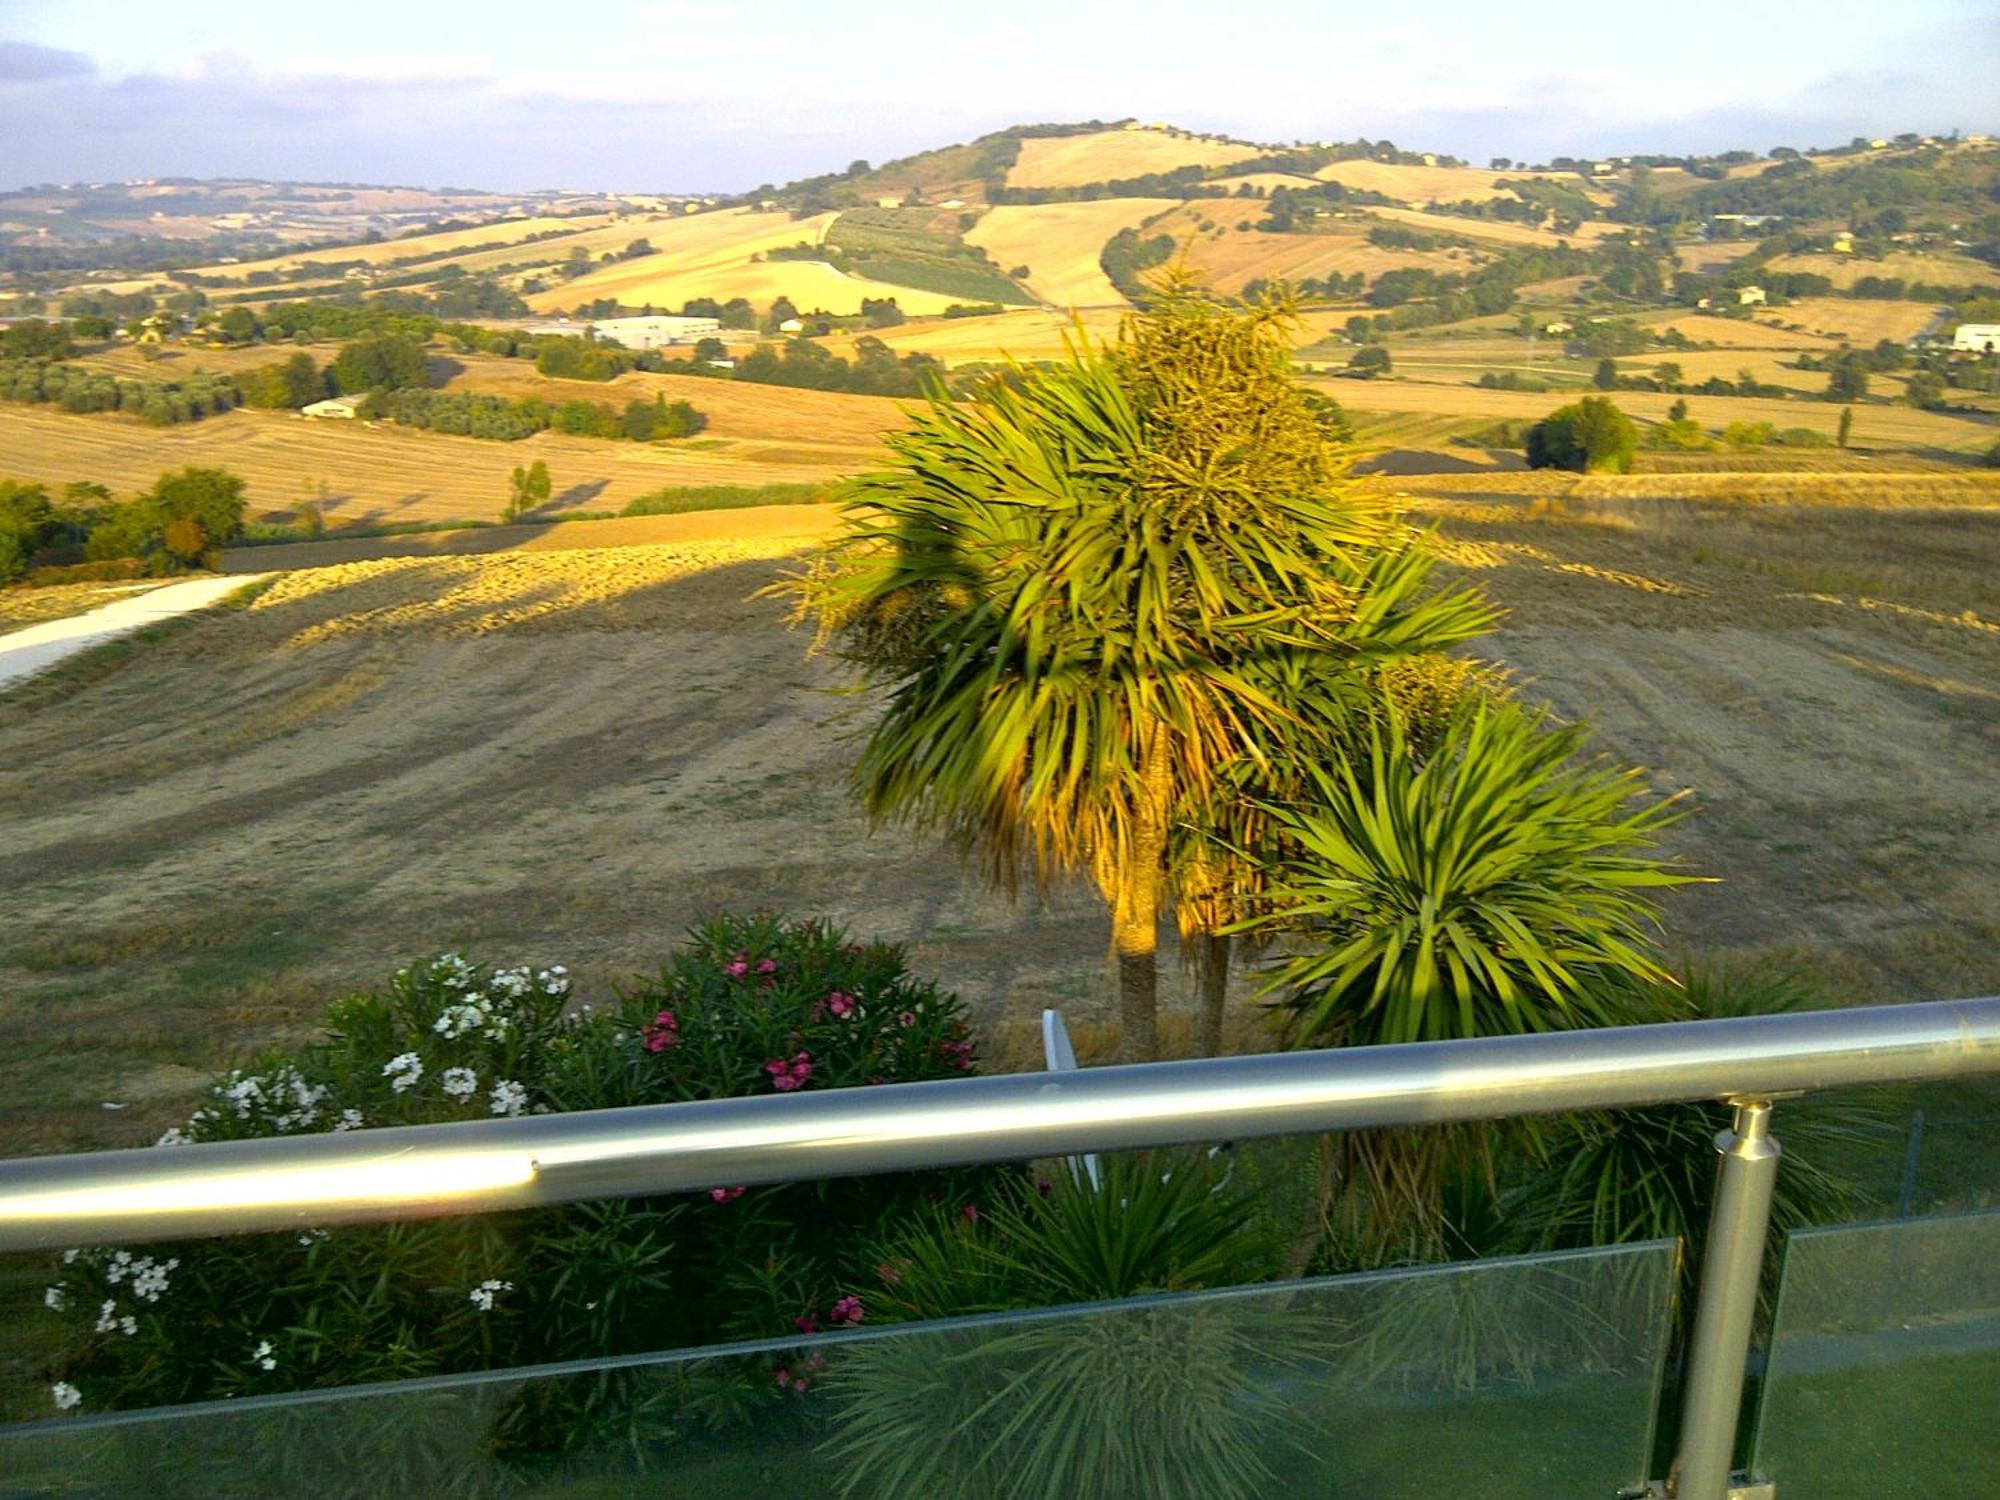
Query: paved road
[23,652]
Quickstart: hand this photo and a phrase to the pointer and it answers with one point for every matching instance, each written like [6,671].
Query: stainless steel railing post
[1732,1266]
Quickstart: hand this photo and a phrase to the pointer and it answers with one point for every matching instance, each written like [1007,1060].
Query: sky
[704,95]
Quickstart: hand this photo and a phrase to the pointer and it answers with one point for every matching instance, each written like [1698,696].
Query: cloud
[24,62]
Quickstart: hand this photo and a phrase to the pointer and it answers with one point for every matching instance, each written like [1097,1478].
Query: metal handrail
[124,1197]
[485,1166]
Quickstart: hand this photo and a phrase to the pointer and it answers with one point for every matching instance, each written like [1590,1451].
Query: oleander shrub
[747,1007]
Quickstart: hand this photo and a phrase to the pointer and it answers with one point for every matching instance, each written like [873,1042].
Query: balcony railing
[124,1197]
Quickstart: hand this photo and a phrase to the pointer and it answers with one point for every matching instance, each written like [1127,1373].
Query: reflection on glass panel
[1539,1376]
[1884,1374]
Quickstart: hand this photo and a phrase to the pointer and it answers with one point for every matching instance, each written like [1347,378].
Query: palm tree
[1095,592]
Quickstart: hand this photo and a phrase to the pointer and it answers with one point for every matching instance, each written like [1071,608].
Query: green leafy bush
[1590,436]
[749,1006]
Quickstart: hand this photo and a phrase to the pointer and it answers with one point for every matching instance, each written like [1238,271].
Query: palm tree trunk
[1212,968]
[1135,914]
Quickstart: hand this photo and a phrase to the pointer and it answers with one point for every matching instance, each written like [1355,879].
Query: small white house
[348,407]
[791,325]
[1976,338]
[1750,296]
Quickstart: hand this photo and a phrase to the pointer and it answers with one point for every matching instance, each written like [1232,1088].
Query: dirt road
[28,650]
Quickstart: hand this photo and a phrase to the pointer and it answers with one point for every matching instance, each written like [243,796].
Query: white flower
[555,979]
[403,1070]
[483,1295]
[69,1257]
[455,1021]
[313,1236]
[107,1317]
[460,1083]
[174,1136]
[243,1094]
[263,1356]
[65,1395]
[150,1277]
[508,1097]
[53,1299]
[121,1265]
[128,1325]
[350,1119]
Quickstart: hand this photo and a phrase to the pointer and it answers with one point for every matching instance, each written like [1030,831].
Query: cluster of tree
[177,523]
[35,338]
[475,414]
[158,403]
[294,382]
[1127,255]
[1590,436]
[876,369]
[577,358]
[1179,183]
[1402,237]
[1292,210]
[1329,288]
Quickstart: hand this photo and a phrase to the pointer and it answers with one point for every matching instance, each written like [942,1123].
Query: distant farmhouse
[348,407]
[1976,338]
[1750,296]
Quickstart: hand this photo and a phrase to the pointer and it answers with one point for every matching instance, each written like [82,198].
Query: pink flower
[663,1033]
[806,1324]
[800,1385]
[841,1005]
[767,966]
[846,1310]
[738,966]
[725,1195]
[783,1376]
[890,1274]
[970,1213]
[786,1076]
[907,1018]
[955,1054]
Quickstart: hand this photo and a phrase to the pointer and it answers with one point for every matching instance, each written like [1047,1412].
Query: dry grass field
[1876,428]
[1701,255]
[513,232]
[1420,185]
[1236,256]
[1029,334]
[1845,270]
[1854,321]
[1106,155]
[709,255]
[380,473]
[1498,231]
[1737,333]
[568,756]
[1060,244]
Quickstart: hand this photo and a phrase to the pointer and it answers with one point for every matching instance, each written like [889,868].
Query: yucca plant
[1484,888]
[1089,594]
[1153,1398]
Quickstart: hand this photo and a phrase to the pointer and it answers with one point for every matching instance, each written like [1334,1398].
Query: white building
[348,407]
[1976,338]
[656,332]
[1750,296]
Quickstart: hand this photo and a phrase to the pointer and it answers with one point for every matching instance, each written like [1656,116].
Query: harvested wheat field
[378,472]
[1060,244]
[1026,334]
[1107,155]
[711,255]
[1737,333]
[1229,260]
[1498,231]
[1876,428]
[1844,270]
[514,233]
[1854,320]
[568,756]
[1419,185]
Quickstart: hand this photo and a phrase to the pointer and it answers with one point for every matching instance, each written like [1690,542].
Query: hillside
[1108,156]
